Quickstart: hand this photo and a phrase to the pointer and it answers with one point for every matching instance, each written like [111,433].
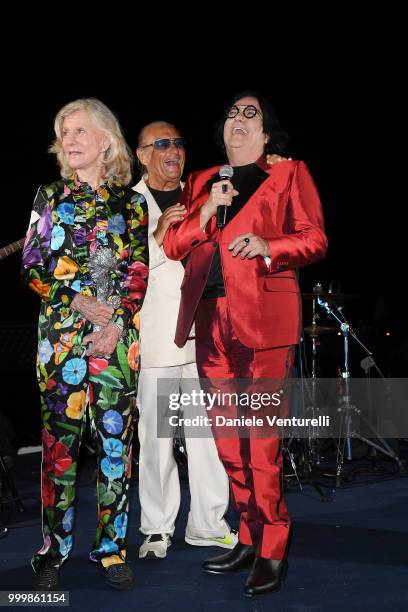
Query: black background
[335,92]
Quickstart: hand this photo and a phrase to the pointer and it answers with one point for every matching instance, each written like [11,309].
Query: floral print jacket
[68,222]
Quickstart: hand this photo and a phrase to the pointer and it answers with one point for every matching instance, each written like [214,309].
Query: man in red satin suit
[241,290]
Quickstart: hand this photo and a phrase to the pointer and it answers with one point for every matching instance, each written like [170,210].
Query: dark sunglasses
[165,143]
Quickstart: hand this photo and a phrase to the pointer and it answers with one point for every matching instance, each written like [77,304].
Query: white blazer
[158,316]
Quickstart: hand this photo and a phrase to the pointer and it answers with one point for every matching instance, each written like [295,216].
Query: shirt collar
[77,187]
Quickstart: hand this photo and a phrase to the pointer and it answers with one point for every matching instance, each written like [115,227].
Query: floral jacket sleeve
[68,223]
[133,288]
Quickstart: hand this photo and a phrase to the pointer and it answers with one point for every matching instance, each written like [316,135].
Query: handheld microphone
[226,172]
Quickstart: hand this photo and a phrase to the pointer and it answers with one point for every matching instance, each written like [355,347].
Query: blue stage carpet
[350,554]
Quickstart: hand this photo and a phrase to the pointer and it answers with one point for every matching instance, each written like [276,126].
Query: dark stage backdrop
[335,119]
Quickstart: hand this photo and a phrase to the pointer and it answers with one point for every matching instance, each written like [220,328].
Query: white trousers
[159,485]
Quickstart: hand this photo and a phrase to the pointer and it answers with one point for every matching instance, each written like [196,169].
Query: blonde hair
[118,158]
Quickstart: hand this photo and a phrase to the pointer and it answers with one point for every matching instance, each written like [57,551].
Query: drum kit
[307,455]
[315,330]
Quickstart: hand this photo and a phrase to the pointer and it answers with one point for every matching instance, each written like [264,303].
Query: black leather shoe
[46,578]
[119,576]
[242,555]
[266,575]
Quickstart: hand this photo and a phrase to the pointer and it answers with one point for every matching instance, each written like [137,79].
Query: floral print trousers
[72,384]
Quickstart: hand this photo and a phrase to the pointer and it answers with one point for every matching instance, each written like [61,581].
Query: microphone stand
[309,458]
[346,405]
[313,444]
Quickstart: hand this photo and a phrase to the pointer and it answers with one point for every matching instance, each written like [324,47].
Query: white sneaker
[228,541]
[155,546]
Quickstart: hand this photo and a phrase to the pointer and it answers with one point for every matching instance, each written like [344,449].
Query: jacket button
[195,242]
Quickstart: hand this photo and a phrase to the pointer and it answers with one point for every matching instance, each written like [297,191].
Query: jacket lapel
[246,190]
[153,207]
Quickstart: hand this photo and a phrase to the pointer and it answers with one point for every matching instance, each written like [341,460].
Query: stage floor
[347,554]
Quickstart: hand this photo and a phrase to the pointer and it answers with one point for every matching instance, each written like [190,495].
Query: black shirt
[242,176]
[165,199]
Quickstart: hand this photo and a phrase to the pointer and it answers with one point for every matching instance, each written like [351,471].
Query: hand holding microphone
[220,197]
[226,172]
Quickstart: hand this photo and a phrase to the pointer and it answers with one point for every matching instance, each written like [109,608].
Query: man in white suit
[161,153]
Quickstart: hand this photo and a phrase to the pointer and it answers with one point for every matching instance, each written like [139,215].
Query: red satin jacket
[264,302]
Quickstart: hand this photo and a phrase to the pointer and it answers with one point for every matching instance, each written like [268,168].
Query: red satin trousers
[253,461]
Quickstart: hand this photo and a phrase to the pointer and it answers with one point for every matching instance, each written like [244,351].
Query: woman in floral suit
[88,347]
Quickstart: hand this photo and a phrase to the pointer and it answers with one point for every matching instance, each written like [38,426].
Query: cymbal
[316,330]
[324,295]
